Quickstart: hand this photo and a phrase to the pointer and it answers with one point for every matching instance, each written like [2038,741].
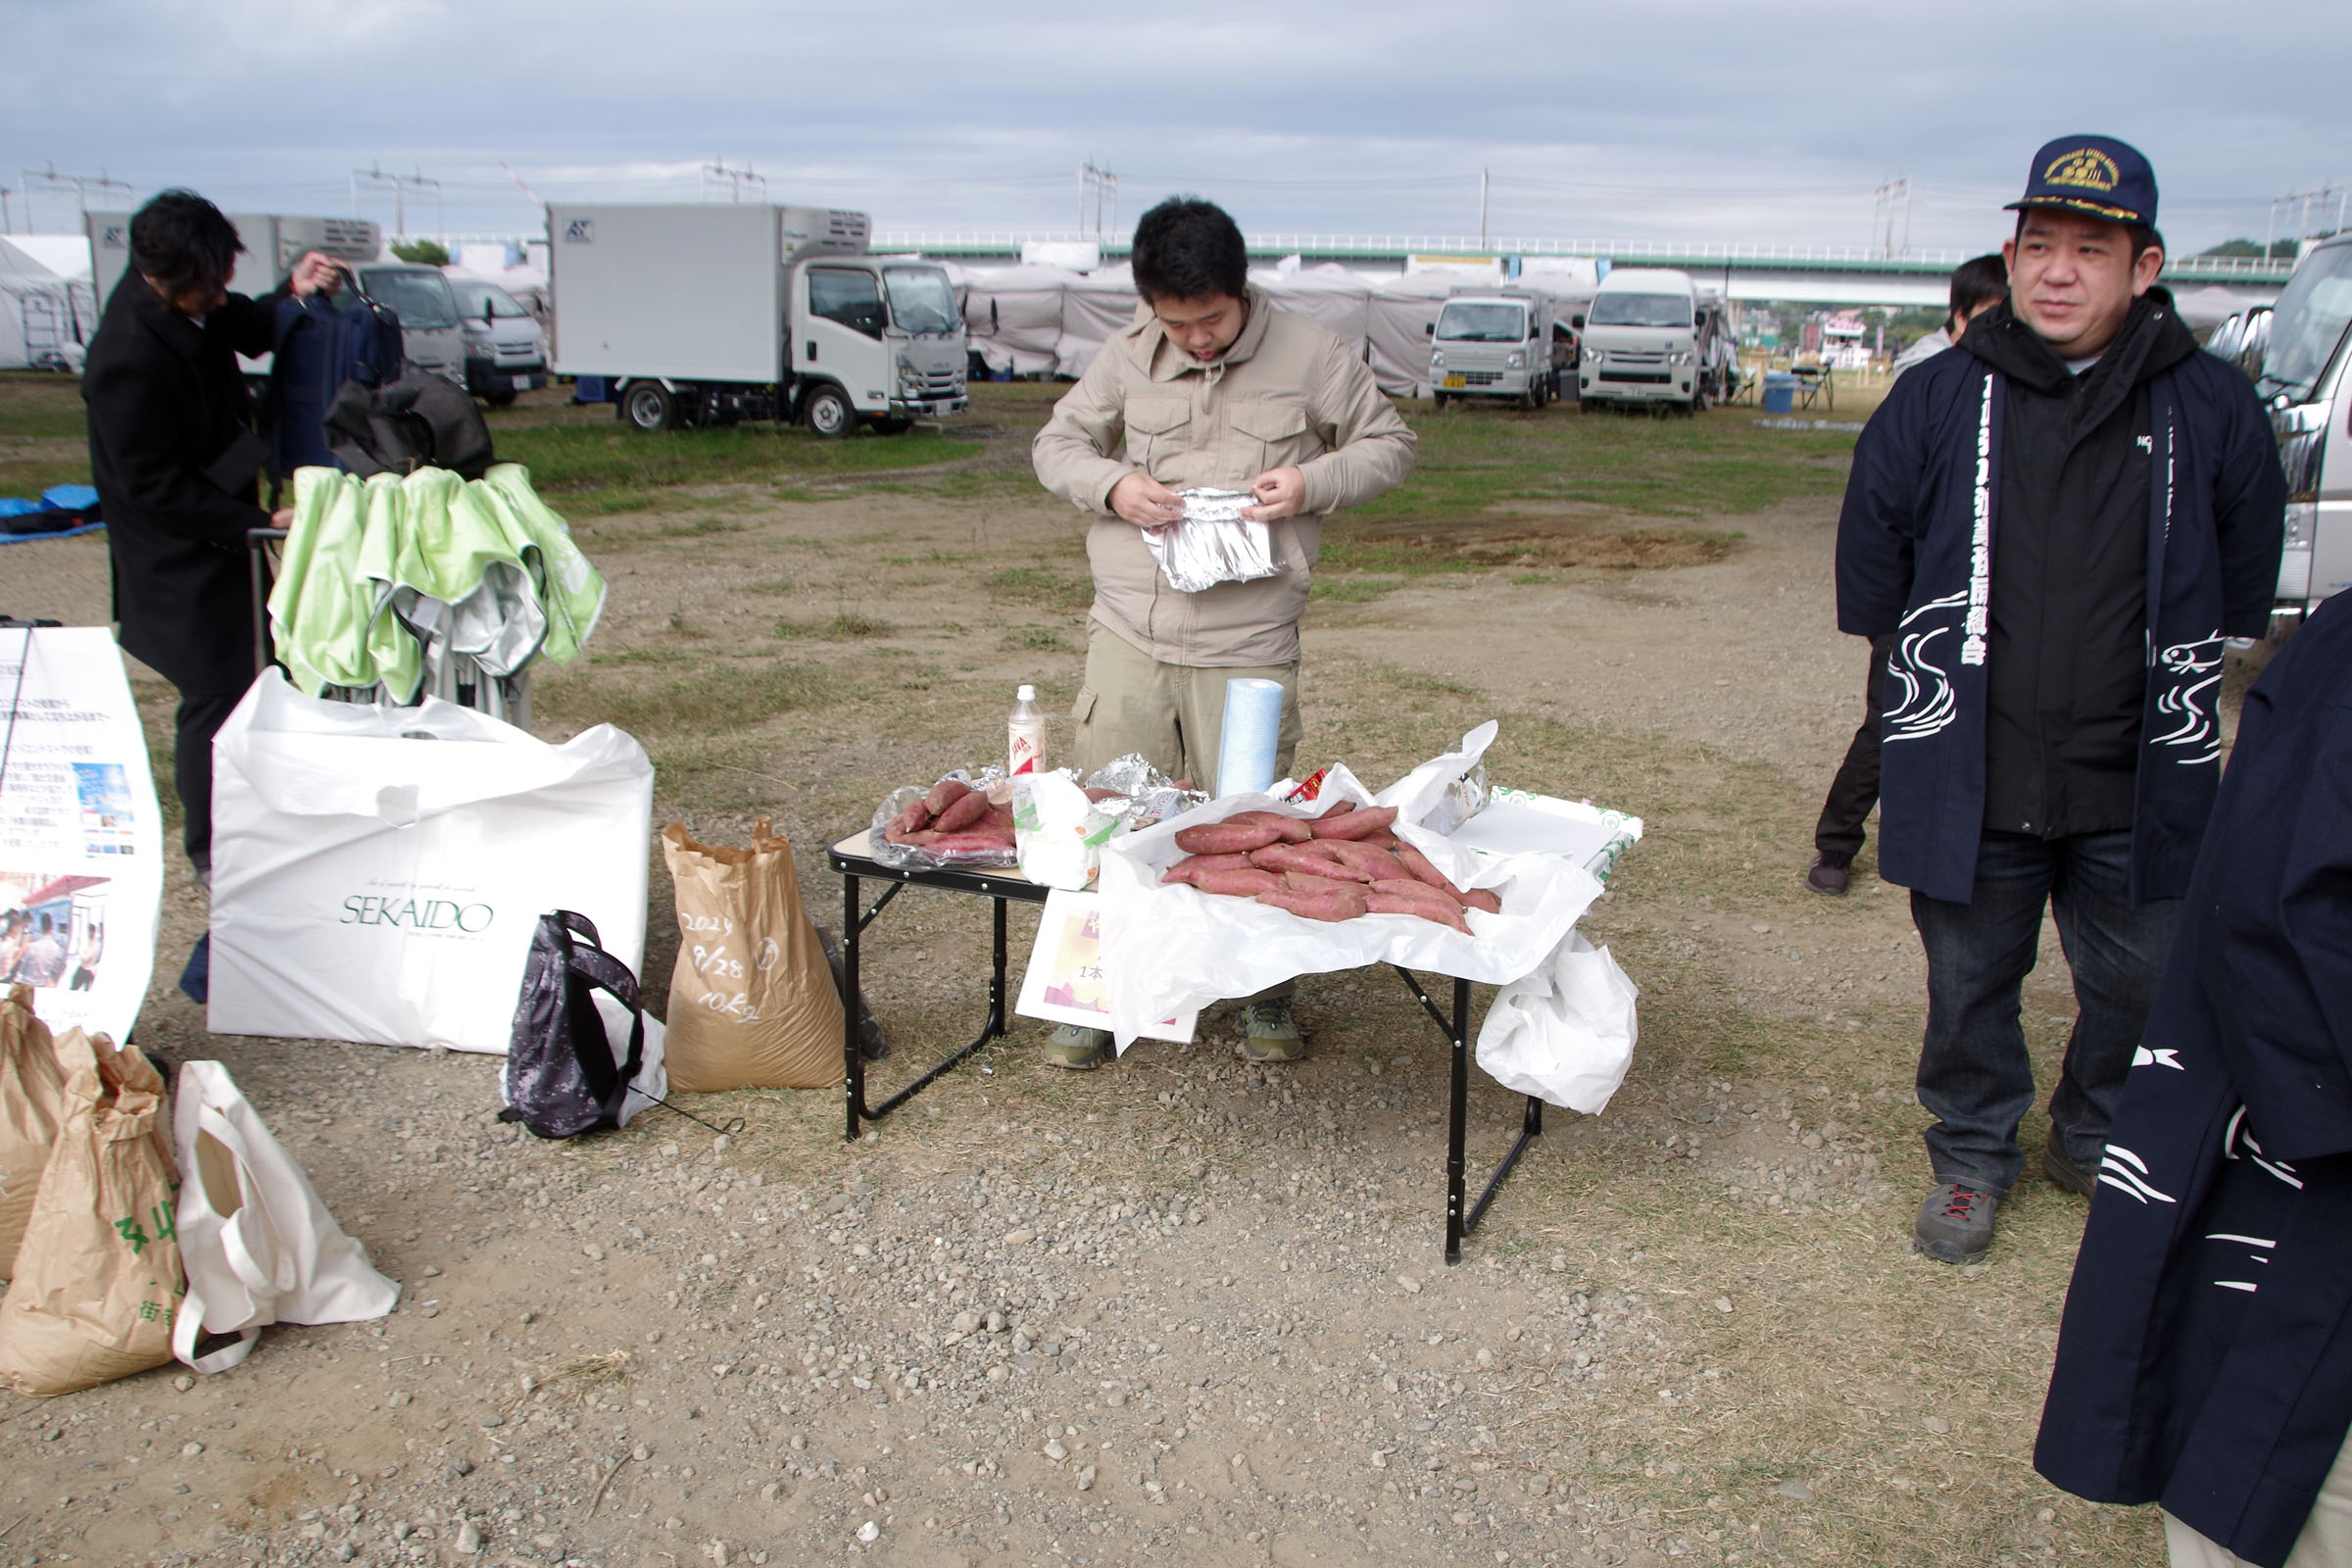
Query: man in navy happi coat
[2205,1360]
[2059,522]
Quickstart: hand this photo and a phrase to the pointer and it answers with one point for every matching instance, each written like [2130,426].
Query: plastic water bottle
[1025,732]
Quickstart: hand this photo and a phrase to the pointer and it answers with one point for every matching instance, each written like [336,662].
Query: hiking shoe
[1078,1049]
[1269,1033]
[1955,1223]
[2064,1170]
[1824,878]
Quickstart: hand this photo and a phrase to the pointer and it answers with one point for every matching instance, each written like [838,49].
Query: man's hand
[1146,503]
[315,274]
[282,518]
[1280,492]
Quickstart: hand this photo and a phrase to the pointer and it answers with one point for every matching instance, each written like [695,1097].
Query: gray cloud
[1669,120]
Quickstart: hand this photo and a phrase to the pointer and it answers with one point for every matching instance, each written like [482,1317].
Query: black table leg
[1456,1029]
[853,923]
[852,1059]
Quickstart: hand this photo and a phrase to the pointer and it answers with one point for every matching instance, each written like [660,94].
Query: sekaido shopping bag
[752,1003]
[377,871]
[98,1276]
[258,1245]
[33,1102]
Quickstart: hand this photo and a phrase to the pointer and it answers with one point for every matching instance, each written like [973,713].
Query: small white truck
[1494,343]
[707,315]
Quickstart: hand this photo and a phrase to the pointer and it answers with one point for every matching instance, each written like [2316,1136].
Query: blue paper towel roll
[1251,735]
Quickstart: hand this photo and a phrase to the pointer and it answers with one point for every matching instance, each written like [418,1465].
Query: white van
[1642,340]
[2305,382]
[505,353]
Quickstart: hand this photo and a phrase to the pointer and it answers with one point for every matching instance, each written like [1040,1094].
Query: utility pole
[1886,200]
[1101,184]
[736,178]
[400,185]
[1482,207]
[2304,203]
[29,179]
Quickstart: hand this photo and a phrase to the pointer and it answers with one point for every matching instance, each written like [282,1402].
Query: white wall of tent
[1043,321]
[47,312]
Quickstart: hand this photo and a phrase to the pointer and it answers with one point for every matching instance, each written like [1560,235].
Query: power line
[400,185]
[80,185]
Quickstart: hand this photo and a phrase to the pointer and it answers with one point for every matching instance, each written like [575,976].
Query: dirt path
[1178,1310]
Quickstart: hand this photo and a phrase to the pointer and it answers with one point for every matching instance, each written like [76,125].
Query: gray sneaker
[1955,1223]
[1269,1033]
[1078,1049]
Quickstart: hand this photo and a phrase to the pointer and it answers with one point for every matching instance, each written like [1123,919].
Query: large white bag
[258,1245]
[1565,1030]
[377,871]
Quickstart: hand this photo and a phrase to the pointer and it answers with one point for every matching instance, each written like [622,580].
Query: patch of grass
[705,701]
[1352,590]
[591,470]
[1531,579]
[775,585]
[1043,585]
[697,527]
[843,625]
[1036,639]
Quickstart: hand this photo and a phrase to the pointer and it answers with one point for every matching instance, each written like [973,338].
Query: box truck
[707,315]
[2303,382]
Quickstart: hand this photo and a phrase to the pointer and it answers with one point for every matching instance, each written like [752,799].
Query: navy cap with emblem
[2099,177]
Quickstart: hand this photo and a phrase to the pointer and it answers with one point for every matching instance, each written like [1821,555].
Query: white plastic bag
[1565,1030]
[1058,832]
[258,1245]
[377,871]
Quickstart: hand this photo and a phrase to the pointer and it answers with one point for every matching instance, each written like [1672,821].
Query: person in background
[175,460]
[1976,286]
[2061,521]
[2205,1357]
[1210,386]
[43,960]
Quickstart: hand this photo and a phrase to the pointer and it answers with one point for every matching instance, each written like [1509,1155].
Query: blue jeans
[1974,1075]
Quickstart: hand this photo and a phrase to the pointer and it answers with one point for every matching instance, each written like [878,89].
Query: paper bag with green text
[33,1094]
[98,1275]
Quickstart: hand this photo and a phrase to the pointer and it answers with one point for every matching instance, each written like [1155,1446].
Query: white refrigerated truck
[272,242]
[708,314]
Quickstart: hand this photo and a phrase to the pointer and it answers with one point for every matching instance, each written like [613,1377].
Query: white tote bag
[377,871]
[258,1245]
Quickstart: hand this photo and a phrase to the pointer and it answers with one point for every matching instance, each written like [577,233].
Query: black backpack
[421,420]
[560,1077]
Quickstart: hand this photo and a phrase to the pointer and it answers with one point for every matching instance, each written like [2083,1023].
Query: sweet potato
[1345,905]
[1098,794]
[1193,866]
[899,835]
[967,809]
[1429,905]
[1308,858]
[967,843]
[1336,809]
[1303,882]
[1225,838]
[913,819]
[1294,830]
[1353,824]
[1481,899]
[1410,887]
[1371,862]
[1245,883]
[944,793]
[1416,866]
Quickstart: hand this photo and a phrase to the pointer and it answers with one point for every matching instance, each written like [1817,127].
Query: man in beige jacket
[1211,386]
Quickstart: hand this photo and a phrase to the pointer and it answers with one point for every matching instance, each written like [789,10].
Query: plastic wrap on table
[1215,543]
[990,782]
[1141,794]
[1058,832]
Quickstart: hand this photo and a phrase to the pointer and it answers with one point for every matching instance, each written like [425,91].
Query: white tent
[45,318]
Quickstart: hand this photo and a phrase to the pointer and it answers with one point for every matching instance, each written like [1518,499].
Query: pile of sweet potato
[1336,866]
[953,818]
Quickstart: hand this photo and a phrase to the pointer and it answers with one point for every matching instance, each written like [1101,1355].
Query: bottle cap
[1027,694]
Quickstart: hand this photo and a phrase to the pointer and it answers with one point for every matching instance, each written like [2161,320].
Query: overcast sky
[1697,120]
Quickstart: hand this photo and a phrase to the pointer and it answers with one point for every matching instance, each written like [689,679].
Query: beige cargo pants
[1172,714]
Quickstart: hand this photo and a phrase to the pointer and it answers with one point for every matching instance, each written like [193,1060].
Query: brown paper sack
[752,1003]
[98,1276]
[33,1100]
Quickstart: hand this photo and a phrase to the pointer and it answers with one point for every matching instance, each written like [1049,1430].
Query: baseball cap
[2096,176]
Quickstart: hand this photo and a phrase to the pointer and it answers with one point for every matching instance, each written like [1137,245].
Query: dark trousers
[1855,789]
[1975,1077]
[200,715]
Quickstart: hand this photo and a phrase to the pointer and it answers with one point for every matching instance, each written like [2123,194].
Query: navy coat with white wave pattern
[1915,542]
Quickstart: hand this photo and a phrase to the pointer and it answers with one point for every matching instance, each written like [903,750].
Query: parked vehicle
[1495,343]
[2303,381]
[506,352]
[1646,340]
[430,334]
[708,314]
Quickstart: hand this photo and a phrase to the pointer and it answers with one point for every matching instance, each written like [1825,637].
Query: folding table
[854,858]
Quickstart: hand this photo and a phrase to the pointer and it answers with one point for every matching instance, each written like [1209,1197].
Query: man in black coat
[174,459]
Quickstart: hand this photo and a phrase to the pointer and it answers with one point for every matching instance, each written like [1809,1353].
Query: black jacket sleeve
[1885,510]
[136,416]
[248,325]
[2249,512]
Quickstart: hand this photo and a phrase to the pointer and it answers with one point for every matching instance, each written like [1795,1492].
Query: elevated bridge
[1826,275]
